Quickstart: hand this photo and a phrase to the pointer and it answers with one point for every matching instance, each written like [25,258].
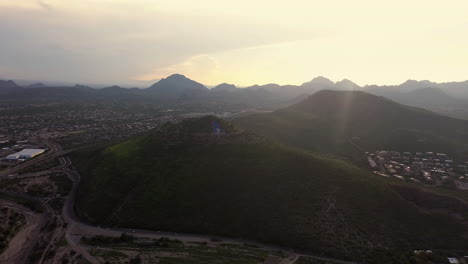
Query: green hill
[328,121]
[207,176]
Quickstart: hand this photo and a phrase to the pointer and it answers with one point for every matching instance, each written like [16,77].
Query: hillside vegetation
[329,120]
[207,176]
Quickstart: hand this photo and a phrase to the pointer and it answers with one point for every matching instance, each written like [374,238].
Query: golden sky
[244,42]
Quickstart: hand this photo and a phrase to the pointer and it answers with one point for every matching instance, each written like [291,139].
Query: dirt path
[290,260]
[73,242]
[23,242]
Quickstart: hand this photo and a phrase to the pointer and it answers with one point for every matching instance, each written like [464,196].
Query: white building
[25,154]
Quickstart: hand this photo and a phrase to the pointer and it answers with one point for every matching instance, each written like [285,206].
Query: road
[76,228]
[64,162]
[28,163]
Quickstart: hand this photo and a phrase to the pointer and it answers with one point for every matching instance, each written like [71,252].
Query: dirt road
[23,242]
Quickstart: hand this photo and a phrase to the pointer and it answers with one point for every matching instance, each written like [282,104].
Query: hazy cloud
[113,46]
[44,5]
[250,41]
[201,66]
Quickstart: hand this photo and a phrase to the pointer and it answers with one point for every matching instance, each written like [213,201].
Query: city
[420,167]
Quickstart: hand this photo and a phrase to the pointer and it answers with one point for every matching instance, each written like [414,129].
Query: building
[25,154]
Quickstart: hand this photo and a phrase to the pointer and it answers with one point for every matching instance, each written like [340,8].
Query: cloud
[116,45]
[201,66]
[250,41]
[44,5]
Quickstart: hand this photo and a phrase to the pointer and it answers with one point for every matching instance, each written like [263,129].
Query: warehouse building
[25,154]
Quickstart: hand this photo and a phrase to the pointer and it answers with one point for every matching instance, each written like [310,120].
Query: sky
[243,42]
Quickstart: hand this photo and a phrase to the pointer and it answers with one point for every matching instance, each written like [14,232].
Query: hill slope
[328,120]
[207,176]
[434,99]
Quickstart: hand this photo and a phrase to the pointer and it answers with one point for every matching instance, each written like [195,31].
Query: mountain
[329,121]
[320,81]
[428,98]
[411,85]
[396,92]
[210,177]
[36,85]
[347,85]
[421,97]
[432,98]
[80,86]
[225,87]
[8,86]
[177,90]
[175,87]
[455,89]
[272,87]
[115,89]
[291,92]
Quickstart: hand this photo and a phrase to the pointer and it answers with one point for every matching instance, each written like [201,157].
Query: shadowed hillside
[329,120]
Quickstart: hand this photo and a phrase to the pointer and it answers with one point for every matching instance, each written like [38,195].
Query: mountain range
[329,121]
[446,98]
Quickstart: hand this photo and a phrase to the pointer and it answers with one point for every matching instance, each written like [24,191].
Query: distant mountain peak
[8,84]
[176,76]
[80,86]
[346,84]
[346,81]
[225,87]
[36,85]
[411,81]
[176,86]
[341,93]
[328,99]
[417,84]
[321,81]
[176,79]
